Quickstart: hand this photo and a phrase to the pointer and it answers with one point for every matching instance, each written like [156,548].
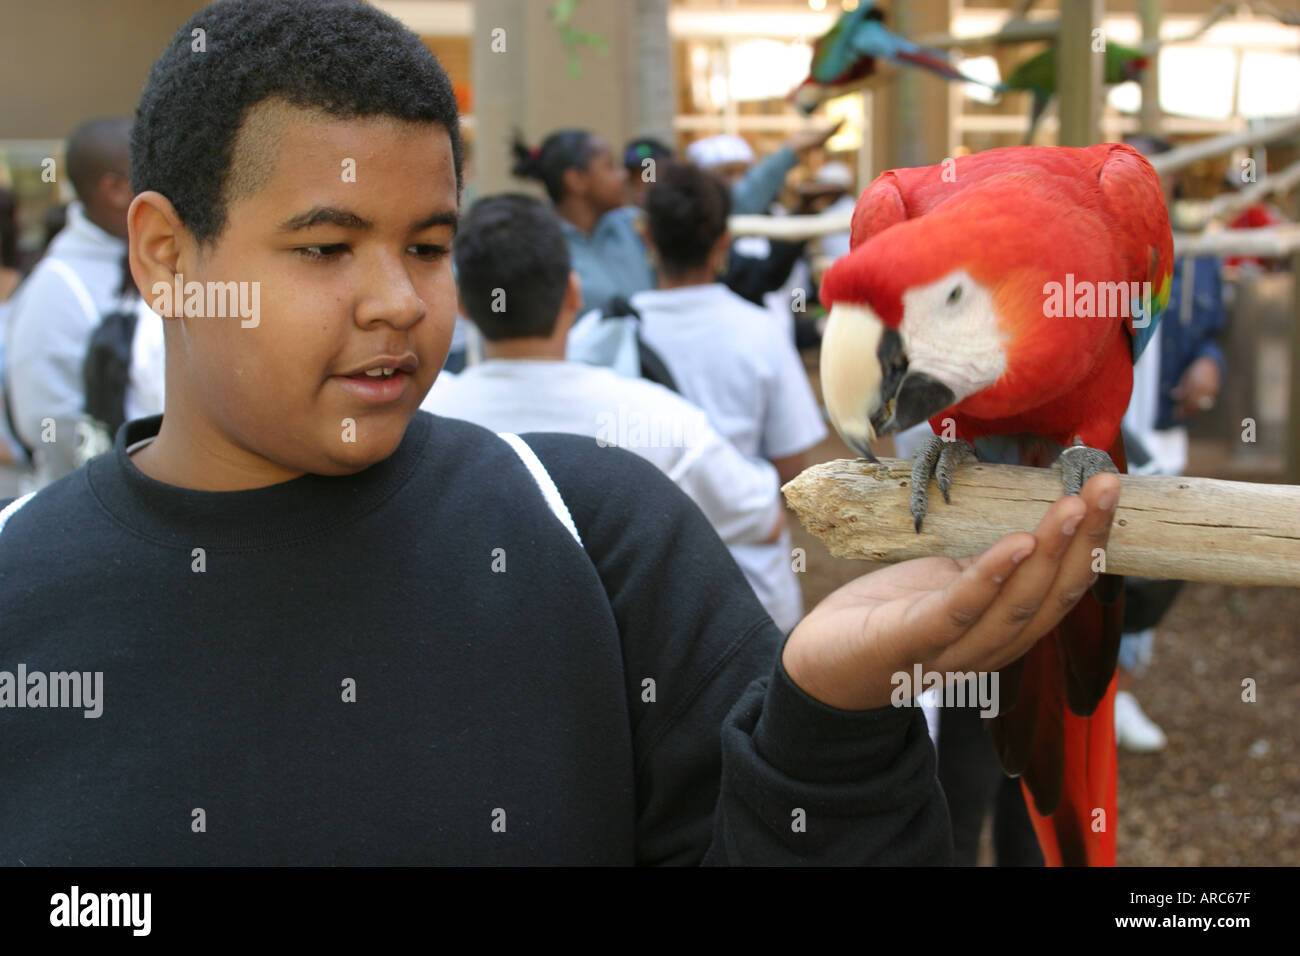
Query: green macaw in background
[849,52]
[1037,75]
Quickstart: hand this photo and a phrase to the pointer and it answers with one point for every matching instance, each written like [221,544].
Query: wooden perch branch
[1288,17]
[1269,242]
[1217,14]
[1183,156]
[1013,31]
[790,228]
[1193,529]
[1229,204]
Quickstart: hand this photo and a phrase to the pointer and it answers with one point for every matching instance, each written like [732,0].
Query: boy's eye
[322,252]
[333,250]
[429,252]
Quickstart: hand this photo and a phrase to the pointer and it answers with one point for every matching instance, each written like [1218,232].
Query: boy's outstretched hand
[951,615]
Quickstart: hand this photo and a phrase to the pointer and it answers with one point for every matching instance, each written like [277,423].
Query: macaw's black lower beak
[907,398]
[918,398]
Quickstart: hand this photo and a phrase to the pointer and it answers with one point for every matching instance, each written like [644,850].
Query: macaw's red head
[1133,69]
[946,310]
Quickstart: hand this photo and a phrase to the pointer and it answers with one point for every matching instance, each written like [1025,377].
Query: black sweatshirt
[340,676]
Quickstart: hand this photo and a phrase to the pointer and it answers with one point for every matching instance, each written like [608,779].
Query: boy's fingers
[1022,597]
[1074,574]
[1001,631]
[998,607]
[945,616]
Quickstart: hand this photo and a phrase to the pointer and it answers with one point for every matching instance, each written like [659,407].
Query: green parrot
[851,49]
[1037,75]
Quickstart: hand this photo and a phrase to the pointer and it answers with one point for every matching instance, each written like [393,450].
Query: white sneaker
[1134,730]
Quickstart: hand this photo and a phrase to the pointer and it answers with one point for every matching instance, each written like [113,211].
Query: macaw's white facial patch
[950,332]
[850,371]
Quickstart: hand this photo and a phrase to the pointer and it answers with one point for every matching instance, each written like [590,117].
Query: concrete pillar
[521,78]
[1150,13]
[911,115]
[655,73]
[1079,71]
[64,63]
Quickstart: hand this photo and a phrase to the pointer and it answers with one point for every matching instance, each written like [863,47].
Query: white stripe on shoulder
[554,500]
[10,509]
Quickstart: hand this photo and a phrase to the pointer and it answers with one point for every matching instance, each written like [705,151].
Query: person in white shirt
[62,301]
[727,355]
[517,286]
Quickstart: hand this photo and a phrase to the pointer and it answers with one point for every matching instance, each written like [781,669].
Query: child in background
[586,186]
[728,356]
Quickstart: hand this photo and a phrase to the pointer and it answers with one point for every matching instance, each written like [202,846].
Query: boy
[330,630]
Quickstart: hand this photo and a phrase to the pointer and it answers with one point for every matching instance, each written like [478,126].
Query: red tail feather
[1059,732]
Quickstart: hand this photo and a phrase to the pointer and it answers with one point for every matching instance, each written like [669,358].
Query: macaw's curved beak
[868,387]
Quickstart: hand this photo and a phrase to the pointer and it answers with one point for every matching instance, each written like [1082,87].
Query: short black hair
[512,266]
[638,150]
[8,228]
[97,147]
[342,57]
[686,211]
[562,150]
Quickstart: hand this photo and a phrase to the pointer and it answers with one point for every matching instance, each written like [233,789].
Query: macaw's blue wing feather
[873,38]
[835,53]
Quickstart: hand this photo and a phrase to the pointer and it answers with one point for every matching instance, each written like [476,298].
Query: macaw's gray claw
[938,457]
[954,453]
[1079,463]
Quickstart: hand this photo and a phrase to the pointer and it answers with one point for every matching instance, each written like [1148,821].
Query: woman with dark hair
[727,355]
[10,274]
[585,184]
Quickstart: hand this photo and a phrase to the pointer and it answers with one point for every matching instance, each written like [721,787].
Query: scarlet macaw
[984,295]
[848,52]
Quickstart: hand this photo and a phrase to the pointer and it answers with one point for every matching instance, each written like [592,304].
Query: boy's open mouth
[380,382]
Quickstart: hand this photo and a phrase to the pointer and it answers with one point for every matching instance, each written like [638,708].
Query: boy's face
[348,233]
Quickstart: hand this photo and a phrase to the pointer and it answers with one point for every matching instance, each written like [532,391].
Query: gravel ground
[1226,790]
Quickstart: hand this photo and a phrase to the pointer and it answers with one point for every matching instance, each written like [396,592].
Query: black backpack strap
[107,368]
[653,367]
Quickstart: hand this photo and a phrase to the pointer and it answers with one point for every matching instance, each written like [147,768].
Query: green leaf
[562,10]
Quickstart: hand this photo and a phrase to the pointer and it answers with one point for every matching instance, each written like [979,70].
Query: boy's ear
[575,181]
[573,294]
[157,239]
[722,245]
[569,306]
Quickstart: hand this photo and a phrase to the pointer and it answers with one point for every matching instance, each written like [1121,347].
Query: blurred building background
[730,65]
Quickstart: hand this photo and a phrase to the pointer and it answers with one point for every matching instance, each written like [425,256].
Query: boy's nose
[388,295]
